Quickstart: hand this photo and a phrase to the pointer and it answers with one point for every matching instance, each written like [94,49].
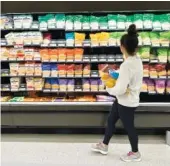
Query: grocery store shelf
[64,43]
[78,104]
[79,30]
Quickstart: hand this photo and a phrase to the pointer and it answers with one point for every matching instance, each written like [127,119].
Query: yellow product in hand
[105,76]
[110,83]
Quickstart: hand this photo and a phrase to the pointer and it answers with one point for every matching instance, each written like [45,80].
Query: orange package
[53,54]
[78,69]
[70,69]
[70,54]
[62,54]
[61,69]
[78,52]
[44,55]
[86,69]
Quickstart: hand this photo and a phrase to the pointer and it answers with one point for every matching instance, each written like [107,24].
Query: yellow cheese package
[104,38]
[79,38]
[95,39]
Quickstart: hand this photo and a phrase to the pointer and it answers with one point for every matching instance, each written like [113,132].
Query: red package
[46,38]
[86,69]
[78,69]
[161,69]
[153,71]
[146,69]
[62,69]
[70,69]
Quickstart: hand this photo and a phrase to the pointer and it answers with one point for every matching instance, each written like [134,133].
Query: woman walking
[127,91]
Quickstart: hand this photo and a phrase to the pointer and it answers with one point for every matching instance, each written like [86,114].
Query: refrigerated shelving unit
[152,114]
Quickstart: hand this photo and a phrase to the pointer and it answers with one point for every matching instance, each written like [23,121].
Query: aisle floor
[50,153]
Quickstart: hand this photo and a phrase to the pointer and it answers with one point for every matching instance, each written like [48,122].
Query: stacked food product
[76,22]
[159,86]
[75,98]
[96,39]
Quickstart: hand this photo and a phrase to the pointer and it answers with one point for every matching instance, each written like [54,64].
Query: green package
[78,20]
[86,22]
[51,20]
[147,20]
[42,22]
[112,38]
[138,21]
[129,21]
[145,38]
[157,22]
[165,38]
[103,22]
[17,99]
[121,21]
[118,37]
[154,37]
[162,54]
[60,20]
[112,21]
[144,52]
[69,22]
[165,21]
[94,22]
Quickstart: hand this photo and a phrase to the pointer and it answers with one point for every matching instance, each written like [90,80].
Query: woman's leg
[112,119]
[127,117]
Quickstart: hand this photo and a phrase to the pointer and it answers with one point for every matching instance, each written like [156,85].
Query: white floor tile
[50,154]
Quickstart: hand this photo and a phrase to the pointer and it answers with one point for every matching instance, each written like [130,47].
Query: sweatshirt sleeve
[121,83]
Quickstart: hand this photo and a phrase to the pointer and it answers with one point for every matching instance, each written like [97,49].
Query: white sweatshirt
[129,82]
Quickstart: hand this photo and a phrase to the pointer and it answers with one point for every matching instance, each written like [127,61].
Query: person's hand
[105,69]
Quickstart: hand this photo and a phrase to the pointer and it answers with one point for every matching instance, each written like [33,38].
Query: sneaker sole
[100,151]
[134,160]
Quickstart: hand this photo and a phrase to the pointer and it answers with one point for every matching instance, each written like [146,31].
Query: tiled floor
[50,153]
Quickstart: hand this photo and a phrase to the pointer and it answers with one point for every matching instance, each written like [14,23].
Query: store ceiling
[72,6]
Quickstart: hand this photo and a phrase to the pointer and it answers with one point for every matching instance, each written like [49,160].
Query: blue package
[53,66]
[46,66]
[114,74]
[69,36]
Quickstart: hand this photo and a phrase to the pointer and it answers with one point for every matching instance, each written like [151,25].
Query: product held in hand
[114,74]
[108,80]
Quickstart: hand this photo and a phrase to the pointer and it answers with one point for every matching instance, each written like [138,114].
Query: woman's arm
[122,82]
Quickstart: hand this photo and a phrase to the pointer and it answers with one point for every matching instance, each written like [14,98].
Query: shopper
[127,91]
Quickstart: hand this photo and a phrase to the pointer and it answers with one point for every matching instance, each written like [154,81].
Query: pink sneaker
[131,156]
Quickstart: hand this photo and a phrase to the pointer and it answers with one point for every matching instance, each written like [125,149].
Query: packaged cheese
[62,69]
[44,54]
[30,82]
[62,54]
[15,83]
[38,69]
[53,54]
[78,52]
[14,69]
[29,68]
[22,69]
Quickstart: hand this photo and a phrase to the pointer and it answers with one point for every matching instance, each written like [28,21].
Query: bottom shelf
[151,104]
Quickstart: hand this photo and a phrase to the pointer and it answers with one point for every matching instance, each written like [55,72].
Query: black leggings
[126,114]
